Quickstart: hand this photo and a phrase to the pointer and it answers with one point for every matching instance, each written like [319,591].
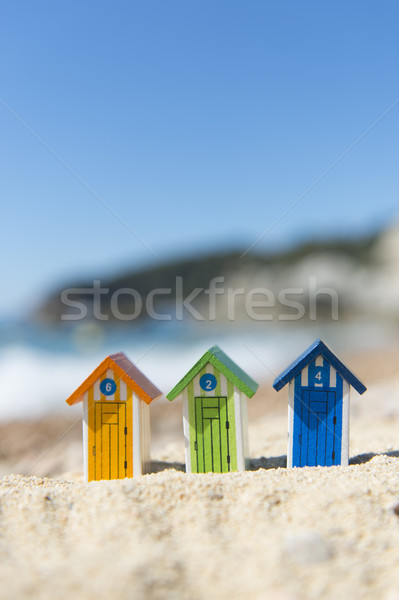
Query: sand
[269,533]
[308,533]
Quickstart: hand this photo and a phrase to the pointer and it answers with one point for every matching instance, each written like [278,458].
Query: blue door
[317,429]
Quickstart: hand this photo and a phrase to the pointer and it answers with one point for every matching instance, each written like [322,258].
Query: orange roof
[127,371]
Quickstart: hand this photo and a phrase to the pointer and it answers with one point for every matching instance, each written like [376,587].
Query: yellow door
[110,433]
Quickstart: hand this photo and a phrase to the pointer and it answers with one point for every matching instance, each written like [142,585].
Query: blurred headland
[262,309]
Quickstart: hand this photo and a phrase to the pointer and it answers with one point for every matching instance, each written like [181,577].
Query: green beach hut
[214,394]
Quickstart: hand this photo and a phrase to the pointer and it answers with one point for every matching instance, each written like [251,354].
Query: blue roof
[316,349]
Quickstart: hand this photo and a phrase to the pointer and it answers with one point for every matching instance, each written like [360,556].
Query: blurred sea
[40,367]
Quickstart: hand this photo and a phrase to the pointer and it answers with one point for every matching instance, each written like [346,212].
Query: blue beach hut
[318,410]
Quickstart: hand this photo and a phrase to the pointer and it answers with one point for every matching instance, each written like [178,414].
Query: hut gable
[318,348]
[126,371]
[223,363]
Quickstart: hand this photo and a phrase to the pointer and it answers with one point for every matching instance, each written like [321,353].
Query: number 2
[208,385]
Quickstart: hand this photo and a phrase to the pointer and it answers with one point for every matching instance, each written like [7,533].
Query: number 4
[318,376]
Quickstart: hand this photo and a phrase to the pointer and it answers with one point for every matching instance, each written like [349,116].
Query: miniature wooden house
[214,394]
[318,412]
[116,419]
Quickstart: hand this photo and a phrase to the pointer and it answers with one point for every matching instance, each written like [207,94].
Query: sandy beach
[268,533]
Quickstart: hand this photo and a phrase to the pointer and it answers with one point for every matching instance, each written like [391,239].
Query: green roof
[225,365]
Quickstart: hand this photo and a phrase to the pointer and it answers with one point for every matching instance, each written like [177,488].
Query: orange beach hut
[116,419]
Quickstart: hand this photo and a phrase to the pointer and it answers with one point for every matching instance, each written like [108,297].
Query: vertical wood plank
[217,466]
[338,416]
[98,441]
[91,441]
[330,445]
[238,431]
[186,431]
[85,432]
[130,433]
[201,442]
[117,395]
[105,451]
[121,440]
[290,442]
[224,446]
[137,459]
[305,454]
[232,435]
[114,450]
[345,423]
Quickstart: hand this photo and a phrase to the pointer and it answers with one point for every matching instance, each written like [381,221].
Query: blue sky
[197,123]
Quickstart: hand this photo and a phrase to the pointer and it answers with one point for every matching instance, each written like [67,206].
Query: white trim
[197,389]
[319,362]
[304,377]
[291,398]
[137,459]
[223,385]
[85,427]
[345,423]
[122,390]
[333,377]
[186,431]
[96,391]
[239,440]
[145,437]
[245,438]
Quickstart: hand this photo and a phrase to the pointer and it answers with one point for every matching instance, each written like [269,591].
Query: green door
[212,435]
